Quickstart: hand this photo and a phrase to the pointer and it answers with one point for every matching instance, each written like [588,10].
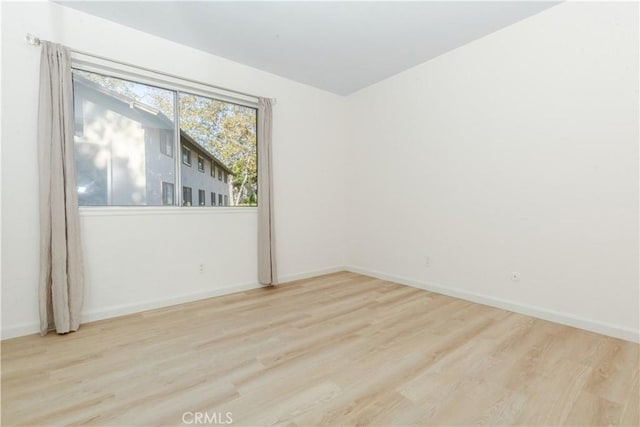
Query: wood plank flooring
[341,349]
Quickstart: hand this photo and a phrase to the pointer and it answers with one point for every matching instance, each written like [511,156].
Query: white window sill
[164,210]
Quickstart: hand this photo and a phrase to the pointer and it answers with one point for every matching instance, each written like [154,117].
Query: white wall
[515,153]
[152,258]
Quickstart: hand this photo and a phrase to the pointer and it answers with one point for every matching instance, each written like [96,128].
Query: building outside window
[219,199]
[202,198]
[201,163]
[213,199]
[226,200]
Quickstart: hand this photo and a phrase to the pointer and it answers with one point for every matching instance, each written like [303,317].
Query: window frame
[203,166]
[177,84]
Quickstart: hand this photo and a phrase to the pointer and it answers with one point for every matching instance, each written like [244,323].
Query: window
[213,199]
[167,193]
[226,200]
[186,196]
[202,198]
[186,156]
[165,138]
[126,135]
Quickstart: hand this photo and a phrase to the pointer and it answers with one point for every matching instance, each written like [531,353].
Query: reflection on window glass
[123,141]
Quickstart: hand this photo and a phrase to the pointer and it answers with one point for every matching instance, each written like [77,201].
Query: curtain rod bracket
[33,40]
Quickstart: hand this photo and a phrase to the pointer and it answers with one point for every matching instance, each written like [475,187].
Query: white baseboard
[310,274]
[122,310]
[538,312]
[20,330]
[603,328]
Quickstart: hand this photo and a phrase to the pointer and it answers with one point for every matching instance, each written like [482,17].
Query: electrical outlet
[427,261]
[515,276]
[201,268]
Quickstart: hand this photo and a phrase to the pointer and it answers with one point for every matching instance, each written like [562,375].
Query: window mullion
[177,148]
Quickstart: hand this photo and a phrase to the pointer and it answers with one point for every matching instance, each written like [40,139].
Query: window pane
[124,137]
[225,134]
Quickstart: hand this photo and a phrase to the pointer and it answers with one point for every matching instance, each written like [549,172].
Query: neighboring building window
[202,198]
[166,142]
[186,196]
[186,156]
[213,199]
[125,143]
[167,193]
[226,200]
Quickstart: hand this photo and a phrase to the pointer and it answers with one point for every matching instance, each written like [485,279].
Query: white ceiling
[337,46]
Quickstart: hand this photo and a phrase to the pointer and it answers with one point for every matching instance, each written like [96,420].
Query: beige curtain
[266,228]
[61,268]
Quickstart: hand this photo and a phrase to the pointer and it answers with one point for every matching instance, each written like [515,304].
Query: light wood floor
[341,349]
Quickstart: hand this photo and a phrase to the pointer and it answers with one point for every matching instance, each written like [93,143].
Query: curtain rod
[35,41]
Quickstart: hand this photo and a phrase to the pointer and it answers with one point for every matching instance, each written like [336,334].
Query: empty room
[320,213]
